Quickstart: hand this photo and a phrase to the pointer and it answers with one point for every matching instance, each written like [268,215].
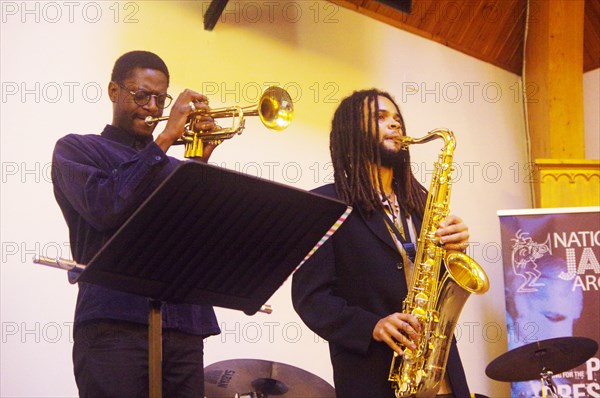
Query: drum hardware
[542,360]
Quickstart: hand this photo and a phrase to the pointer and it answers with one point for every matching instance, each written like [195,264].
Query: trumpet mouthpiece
[150,121]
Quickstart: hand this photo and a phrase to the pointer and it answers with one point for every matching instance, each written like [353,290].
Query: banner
[552,287]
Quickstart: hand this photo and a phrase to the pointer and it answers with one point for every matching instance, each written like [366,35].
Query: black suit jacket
[341,292]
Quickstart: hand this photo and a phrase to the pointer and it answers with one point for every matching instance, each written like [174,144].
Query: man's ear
[113,91]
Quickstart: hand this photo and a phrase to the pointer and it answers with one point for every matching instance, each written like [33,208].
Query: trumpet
[275,109]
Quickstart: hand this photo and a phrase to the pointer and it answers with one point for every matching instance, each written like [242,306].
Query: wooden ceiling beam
[213,13]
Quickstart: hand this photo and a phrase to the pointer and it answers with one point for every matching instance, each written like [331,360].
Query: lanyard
[398,231]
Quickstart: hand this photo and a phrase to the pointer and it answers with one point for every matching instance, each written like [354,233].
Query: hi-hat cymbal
[245,376]
[529,361]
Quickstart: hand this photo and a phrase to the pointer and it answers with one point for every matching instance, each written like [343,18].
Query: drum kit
[541,360]
[255,378]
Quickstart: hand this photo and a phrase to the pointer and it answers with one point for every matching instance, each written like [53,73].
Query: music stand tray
[213,236]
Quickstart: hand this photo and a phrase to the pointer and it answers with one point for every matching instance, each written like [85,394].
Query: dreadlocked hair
[354,151]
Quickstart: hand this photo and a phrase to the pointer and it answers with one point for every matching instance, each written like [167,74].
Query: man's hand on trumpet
[186,103]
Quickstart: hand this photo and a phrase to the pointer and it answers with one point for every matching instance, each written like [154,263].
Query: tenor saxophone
[441,283]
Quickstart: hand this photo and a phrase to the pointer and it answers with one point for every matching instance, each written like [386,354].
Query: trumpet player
[351,291]
[99,181]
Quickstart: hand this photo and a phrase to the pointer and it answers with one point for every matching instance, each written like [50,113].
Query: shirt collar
[114,133]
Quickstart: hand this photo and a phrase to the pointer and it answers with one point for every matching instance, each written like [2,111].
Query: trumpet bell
[275,108]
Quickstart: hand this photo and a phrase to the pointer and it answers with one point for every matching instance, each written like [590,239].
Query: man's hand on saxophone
[453,233]
[398,330]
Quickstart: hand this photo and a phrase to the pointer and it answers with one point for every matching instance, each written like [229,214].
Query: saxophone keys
[420,375]
[404,387]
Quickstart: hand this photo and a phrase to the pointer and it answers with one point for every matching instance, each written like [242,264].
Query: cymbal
[245,376]
[529,361]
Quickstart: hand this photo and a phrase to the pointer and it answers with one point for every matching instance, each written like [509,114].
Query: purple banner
[552,285]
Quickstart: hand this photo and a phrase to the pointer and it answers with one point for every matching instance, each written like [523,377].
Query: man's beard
[391,157]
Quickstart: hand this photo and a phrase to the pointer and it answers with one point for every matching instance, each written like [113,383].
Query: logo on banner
[525,253]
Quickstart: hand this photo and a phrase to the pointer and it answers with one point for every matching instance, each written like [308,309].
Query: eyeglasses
[142,97]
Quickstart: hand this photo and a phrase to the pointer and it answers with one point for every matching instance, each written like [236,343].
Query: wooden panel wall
[554,84]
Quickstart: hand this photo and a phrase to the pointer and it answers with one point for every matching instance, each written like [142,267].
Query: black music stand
[211,236]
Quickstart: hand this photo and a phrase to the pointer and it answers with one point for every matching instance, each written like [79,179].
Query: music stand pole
[155,349]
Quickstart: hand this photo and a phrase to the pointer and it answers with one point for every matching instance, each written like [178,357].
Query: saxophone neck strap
[405,246]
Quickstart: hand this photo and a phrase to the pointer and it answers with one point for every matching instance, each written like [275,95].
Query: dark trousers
[111,361]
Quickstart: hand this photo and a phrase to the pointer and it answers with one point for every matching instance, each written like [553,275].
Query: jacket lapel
[377,225]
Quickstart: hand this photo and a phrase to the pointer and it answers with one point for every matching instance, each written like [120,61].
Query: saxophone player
[350,292]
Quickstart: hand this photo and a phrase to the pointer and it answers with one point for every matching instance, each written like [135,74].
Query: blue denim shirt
[99,181]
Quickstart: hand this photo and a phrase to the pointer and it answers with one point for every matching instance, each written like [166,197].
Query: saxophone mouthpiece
[404,141]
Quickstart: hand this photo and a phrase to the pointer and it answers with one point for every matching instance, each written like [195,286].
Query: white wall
[56,62]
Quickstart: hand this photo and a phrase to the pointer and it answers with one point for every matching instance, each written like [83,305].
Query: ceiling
[489,30]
